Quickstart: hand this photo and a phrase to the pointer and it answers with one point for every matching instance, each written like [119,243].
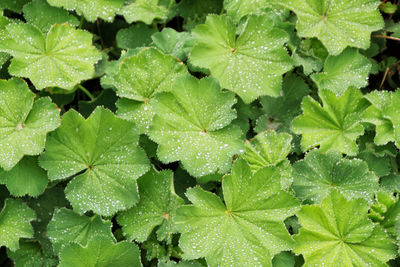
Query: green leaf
[144,10]
[63,58]
[280,111]
[319,173]
[172,42]
[240,8]
[13,5]
[26,178]
[391,112]
[349,68]
[24,122]
[30,254]
[194,12]
[192,124]
[15,218]
[247,230]
[374,114]
[180,264]
[333,126]
[103,147]
[104,9]
[252,64]
[337,24]
[139,79]
[337,232]
[43,16]
[137,35]
[283,259]
[385,211]
[68,227]
[100,252]
[157,207]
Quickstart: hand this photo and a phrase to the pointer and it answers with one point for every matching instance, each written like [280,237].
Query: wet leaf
[144,10]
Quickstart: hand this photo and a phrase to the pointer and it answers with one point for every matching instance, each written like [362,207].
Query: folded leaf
[144,10]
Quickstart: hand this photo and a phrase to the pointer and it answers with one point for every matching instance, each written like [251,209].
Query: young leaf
[26,178]
[100,252]
[336,23]
[374,114]
[349,68]
[103,147]
[247,230]
[318,174]
[337,232]
[15,218]
[157,207]
[192,124]
[172,42]
[137,35]
[144,10]
[391,112]
[68,227]
[139,79]
[30,253]
[24,122]
[333,126]
[104,9]
[252,64]
[43,16]
[240,8]
[63,58]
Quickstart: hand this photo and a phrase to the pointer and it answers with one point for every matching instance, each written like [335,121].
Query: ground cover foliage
[199,133]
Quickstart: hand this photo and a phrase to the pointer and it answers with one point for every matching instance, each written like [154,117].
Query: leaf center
[20,126]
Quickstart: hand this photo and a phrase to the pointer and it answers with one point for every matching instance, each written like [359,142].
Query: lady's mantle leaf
[270,149]
[24,122]
[192,124]
[316,175]
[139,79]
[25,178]
[337,232]
[66,227]
[43,16]
[239,8]
[250,65]
[100,252]
[336,23]
[157,206]
[380,101]
[106,149]
[13,5]
[30,253]
[15,221]
[391,112]
[63,58]
[92,10]
[246,231]
[333,126]
[144,10]
[349,68]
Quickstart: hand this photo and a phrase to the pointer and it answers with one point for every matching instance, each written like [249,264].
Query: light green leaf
[139,79]
[157,207]
[349,68]
[4,21]
[385,211]
[337,232]
[144,10]
[374,114]
[24,122]
[15,218]
[63,58]
[180,264]
[43,16]
[13,5]
[319,173]
[104,9]
[137,35]
[103,147]
[68,227]
[391,112]
[192,124]
[100,252]
[247,230]
[280,111]
[333,126]
[172,42]
[252,64]
[336,23]
[240,8]
[26,178]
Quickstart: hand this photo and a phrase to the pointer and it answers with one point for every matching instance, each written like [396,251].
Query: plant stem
[86,91]
[386,37]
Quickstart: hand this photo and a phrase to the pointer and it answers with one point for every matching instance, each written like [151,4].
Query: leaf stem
[386,37]
[81,23]
[86,91]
